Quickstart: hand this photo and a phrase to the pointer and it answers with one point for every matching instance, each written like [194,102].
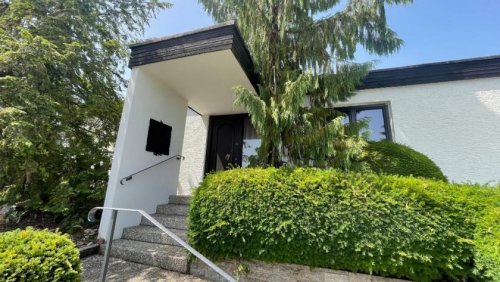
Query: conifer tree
[303,52]
[61,74]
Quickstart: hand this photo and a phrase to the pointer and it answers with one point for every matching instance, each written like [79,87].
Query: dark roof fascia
[223,36]
[482,67]
[226,36]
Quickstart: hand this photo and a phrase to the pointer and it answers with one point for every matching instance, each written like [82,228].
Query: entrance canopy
[201,66]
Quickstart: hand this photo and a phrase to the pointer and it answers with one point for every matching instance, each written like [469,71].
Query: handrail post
[109,242]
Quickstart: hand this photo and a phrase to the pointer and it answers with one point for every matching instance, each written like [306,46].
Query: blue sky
[433,30]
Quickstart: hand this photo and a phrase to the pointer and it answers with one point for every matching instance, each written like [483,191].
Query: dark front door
[225,142]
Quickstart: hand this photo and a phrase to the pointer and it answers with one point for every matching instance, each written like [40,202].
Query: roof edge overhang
[226,36]
[223,36]
[473,68]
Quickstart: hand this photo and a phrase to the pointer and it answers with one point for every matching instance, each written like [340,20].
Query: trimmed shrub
[38,255]
[488,244]
[386,225]
[396,159]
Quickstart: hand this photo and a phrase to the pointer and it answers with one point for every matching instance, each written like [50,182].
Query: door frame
[211,131]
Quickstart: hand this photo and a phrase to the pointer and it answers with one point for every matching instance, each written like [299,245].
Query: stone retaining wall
[281,272]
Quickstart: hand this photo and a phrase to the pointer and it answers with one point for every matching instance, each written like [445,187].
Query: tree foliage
[303,51]
[61,74]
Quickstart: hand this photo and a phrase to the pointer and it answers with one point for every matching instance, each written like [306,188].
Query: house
[449,111]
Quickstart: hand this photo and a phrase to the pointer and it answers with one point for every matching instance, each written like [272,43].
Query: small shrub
[387,225]
[38,255]
[396,159]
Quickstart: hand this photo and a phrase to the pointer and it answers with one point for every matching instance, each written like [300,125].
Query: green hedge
[386,225]
[488,244]
[396,159]
[38,255]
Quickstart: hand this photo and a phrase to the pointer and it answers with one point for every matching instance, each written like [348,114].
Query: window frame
[350,111]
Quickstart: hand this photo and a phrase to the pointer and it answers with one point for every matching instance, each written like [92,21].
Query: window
[376,116]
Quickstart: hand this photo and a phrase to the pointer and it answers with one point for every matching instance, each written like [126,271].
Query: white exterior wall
[456,124]
[194,150]
[146,98]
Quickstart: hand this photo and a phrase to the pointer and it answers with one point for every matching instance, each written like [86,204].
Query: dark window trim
[350,111]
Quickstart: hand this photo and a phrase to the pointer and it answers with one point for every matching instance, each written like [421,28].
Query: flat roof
[226,36]
[223,36]
[480,67]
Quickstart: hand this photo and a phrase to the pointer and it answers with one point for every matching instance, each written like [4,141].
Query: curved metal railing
[129,177]
[111,230]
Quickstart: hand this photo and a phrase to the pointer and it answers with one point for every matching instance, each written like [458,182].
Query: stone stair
[146,244]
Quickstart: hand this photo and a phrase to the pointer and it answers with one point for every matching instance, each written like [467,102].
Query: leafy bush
[488,244]
[393,158]
[38,255]
[387,225]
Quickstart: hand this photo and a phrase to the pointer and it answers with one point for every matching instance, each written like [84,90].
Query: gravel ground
[120,270]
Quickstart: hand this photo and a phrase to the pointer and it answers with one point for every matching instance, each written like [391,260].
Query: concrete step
[180,200]
[164,256]
[173,209]
[169,221]
[152,234]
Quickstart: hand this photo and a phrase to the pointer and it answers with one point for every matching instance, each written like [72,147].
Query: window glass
[376,129]
[376,125]
[251,143]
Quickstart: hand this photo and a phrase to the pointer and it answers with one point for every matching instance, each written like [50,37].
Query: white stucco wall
[457,124]
[194,151]
[146,98]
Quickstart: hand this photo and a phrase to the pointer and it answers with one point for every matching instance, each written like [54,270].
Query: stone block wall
[280,272]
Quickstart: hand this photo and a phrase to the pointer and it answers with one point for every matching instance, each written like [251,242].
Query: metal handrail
[129,177]
[114,213]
